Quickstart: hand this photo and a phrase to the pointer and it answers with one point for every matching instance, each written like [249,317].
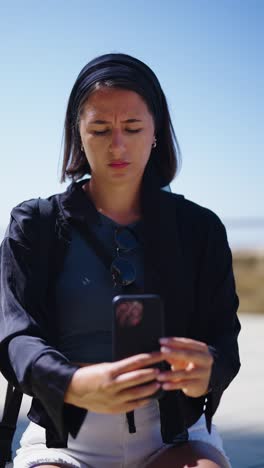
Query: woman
[56,331]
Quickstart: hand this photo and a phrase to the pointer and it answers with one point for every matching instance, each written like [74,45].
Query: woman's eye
[135,130]
[102,132]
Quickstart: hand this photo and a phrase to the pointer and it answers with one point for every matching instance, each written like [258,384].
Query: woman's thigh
[196,454]
[38,455]
[52,466]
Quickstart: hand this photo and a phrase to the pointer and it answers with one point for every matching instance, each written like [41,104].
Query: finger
[133,378]
[174,376]
[136,362]
[196,357]
[186,385]
[184,343]
[132,405]
[142,391]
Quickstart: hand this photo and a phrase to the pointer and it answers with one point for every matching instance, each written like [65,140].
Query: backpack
[14,396]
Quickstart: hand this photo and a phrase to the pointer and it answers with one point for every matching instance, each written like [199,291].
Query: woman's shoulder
[190,212]
[22,219]
[29,210]
[25,217]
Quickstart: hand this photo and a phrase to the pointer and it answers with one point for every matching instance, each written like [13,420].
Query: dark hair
[120,71]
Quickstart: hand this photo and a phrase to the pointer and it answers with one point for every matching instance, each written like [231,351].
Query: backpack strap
[14,396]
[9,423]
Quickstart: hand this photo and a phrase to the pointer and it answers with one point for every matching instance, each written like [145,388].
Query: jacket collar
[75,204]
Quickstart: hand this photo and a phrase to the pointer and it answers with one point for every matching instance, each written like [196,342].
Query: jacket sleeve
[219,301]
[27,357]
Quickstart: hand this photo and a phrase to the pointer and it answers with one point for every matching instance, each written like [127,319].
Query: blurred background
[208,56]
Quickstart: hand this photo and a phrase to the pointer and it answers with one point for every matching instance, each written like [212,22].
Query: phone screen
[138,323]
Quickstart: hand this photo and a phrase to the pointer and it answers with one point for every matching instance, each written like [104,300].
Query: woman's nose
[117,144]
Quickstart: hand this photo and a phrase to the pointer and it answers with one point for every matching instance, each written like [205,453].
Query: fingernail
[161,377]
[164,349]
[166,386]
[163,340]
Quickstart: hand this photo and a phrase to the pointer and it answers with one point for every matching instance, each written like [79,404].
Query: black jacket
[188,262]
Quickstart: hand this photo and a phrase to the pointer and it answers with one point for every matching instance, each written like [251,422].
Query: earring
[154,144]
[82,150]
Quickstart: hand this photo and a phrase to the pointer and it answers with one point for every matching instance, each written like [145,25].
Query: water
[246,238]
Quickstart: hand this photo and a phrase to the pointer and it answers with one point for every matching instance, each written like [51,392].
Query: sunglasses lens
[122,272]
[125,239]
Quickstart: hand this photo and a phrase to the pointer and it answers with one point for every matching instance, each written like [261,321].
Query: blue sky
[208,56]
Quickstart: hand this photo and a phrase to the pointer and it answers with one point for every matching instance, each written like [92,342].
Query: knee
[195,453]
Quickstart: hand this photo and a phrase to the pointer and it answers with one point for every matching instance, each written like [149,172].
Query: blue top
[84,294]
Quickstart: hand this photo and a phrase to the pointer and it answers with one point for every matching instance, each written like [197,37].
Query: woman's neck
[120,203]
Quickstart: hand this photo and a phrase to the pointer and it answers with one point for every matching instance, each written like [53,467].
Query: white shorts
[105,442]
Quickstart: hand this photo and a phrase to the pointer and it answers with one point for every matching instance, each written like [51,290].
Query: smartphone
[138,323]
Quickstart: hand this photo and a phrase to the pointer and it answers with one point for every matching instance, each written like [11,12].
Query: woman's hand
[116,387]
[191,364]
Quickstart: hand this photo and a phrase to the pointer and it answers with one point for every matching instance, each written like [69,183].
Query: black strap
[9,393]
[8,423]
[97,245]
[102,253]
[131,422]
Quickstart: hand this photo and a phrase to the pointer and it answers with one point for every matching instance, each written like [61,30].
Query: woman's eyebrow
[103,122]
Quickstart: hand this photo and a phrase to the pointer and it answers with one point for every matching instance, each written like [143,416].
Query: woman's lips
[119,165]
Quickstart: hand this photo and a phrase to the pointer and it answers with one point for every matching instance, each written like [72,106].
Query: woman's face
[117,133]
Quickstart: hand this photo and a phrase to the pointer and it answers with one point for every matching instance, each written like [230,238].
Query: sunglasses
[122,271]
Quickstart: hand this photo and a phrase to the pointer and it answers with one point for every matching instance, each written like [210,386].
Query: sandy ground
[240,417]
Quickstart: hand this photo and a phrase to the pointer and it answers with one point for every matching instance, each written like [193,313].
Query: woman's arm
[218,295]
[27,358]
[207,362]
